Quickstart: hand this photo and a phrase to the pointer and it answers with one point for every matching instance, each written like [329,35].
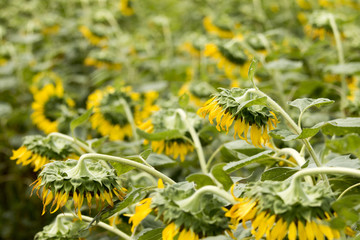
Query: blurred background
[166,46]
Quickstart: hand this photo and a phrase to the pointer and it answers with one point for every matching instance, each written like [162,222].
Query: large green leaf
[122,168]
[278,173]
[345,145]
[346,68]
[80,120]
[260,157]
[200,180]
[283,64]
[243,147]
[218,172]
[155,234]
[305,103]
[344,161]
[159,160]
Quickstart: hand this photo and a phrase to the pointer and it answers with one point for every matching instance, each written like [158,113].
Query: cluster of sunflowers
[201,129]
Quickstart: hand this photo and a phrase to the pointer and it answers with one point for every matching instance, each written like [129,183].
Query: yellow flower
[213,29]
[102,64]
[171,230]
[191,49]
[50,30]
[26,157]
[47,105]
[92,38]
[225,119]
[228,62]
[3,61]
[125,7]
[176,147]
[146,107]
[353,83]
[141,211]
[114,125]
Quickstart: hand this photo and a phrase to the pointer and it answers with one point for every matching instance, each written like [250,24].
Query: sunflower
[198,92]
[43,78]
[271,216]
[353,85]
[93,38]
[219,31]
[99,64]
[180,222]
[109,116]
[175,144]
[228,60]
[38,151]
[146,107]
[48,106]
[224,108]
[80,180]
[125,7]
[191,48]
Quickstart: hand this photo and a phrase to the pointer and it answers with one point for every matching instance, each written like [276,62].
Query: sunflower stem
[70,139]
[100,224]
[108,158]
[196,140]
[212,157]
[341,59]
[130,118]
[295,128]
[348,189]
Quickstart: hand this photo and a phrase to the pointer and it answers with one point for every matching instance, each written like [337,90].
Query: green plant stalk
[348,189]
[212,157]
[100,224]
[293,127]
[341,60]
[207,189]
[70,139]
[130,118]
[196,140]
[325,170]
[152,171]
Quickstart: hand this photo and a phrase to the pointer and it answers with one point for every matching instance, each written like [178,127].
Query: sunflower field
[180,120]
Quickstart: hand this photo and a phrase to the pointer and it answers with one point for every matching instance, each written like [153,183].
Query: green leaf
[80,120]
[347,209]
[132,197]
[305,103]
[165,135]
[251,102]
[145,154]
[5,109]
[283,64]
[155,234]
[283,134]
[278,174]
[243,147]
[260,157]
[218,172]
[159,160]
[122,168]
[200,180]
[345,145]
[344,161]
[346,68]
[184,100]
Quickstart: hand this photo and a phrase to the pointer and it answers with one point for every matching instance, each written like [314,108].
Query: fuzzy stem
[296,129]
[196,140]
[325,170]
[212,157]
[152,171]
[100,224]
[348,189]
[70,139]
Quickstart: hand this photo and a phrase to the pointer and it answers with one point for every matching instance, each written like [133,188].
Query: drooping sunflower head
[126,8]
[81,180]
[192,48]
[243,109]
[43,78]
[38,151]
[206,219]
[257,43]
[103,59]
[271,215]
[94,35]
[51,108]
[197,91]
[230,58]
[62,228]
[168,133]
[109,116]
[146,105]
[217,29]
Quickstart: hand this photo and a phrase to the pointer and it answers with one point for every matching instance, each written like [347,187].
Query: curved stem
[296,129]
[212,157]
[196,140]
[348,189]
[152,171]
[325,170]
[100,224]
[70,139]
